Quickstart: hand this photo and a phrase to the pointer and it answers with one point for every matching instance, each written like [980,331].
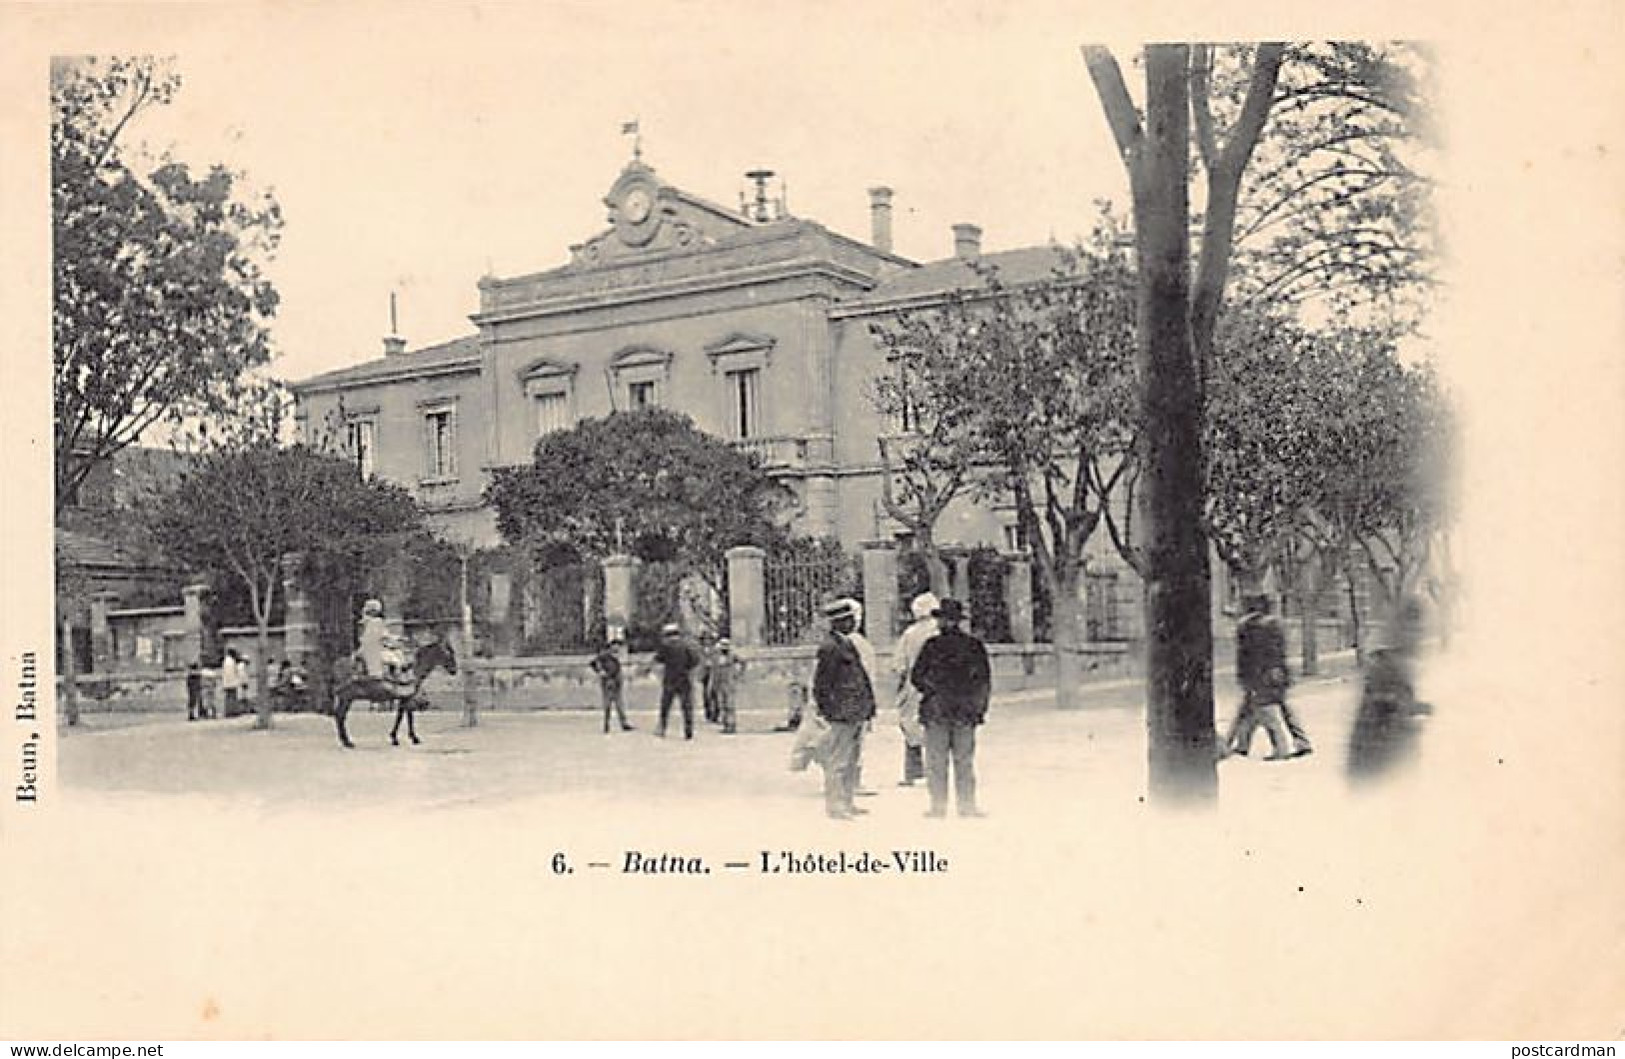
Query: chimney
[393,342]
[880,218]
[967,242]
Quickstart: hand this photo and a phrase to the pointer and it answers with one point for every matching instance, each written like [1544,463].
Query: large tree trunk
[1179,631]
[262,683]
[1066,637]
[1356,634]
[1307,608]
[70,672]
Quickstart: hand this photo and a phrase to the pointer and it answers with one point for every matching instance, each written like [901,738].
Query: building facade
[754,323]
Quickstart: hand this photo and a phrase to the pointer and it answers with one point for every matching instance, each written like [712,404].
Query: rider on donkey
[381,652]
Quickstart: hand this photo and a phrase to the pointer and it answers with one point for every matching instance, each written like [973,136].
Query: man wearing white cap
[908,698]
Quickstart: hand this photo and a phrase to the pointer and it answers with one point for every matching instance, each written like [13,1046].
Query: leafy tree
[646,482]
[159,301]
[1330,205]
[1388,430]
[1264,439]
[929,462]
[1323,447]
[1037,381]
[244,502]
[1336,209]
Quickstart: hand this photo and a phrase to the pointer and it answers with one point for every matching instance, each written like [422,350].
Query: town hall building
[753,322]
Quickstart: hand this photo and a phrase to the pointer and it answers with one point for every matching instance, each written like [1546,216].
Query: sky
[413,150]
[416,146]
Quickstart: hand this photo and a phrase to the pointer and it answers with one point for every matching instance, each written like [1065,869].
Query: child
[725,670]
[379,650]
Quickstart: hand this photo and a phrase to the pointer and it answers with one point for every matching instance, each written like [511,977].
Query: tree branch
[1202,106]
[1116,102]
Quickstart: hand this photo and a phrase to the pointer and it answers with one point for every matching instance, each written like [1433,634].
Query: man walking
[908,697]
[678,659]
[1261,671]
[194,692]
[845,699]
[955,682]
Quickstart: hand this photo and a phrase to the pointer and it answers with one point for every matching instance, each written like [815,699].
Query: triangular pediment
[741,342]
[649,216]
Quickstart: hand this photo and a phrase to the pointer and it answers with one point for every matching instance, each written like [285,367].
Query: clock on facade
[636,205]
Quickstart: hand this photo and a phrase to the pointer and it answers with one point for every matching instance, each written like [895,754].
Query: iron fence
[797,589]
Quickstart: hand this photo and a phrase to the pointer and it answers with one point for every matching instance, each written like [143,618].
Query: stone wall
[566,681]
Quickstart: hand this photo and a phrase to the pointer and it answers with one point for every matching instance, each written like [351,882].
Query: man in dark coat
[955,682]
[845,699]
[678,659]
[607,664]
[194,693]
[1261,670]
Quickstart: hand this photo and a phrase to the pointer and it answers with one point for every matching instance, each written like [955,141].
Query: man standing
[845,699]
[678,659]
[871,669]
[194,692]
[955,682]
[908,698]
[1261,671]
[230,682]
[607,664]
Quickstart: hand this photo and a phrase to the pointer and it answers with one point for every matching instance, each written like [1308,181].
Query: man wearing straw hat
[845,699]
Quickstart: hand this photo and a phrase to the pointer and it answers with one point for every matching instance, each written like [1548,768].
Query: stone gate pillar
[1018,596]
[393,594]
[747,596]
[620,591]
[880,593]
[299,625]
[101,631]
[959,579]
[192,600]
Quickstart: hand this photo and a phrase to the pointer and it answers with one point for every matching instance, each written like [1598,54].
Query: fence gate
[797,589]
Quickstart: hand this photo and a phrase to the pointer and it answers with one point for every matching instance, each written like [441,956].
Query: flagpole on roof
[630,128]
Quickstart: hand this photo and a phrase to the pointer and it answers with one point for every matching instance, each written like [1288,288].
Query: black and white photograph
[772,520]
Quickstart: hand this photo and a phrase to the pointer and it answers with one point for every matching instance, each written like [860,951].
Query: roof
[80,548]
[456,353]
[1029,264]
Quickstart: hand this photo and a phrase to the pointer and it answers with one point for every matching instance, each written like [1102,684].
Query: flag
[629,128]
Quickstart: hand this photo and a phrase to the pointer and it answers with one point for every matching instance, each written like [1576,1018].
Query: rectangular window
[552,412]
[1102,612]
[906,412]
[363,445]
[440,444]
[641,395]
[744,403]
